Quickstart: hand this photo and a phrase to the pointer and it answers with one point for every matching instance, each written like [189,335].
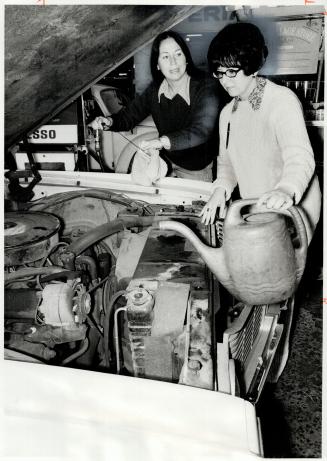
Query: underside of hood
[54,53]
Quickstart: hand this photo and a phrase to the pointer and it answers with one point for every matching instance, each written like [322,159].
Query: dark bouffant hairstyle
[238,45]
[190,67]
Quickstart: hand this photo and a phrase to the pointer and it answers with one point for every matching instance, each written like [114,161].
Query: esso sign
[55,134]
[44,134]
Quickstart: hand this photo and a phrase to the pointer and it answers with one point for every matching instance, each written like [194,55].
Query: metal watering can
[258,262]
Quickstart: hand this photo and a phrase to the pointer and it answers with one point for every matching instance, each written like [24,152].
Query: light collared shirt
[256,95]
[183,89]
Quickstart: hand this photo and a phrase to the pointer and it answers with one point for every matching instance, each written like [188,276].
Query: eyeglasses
[230,73]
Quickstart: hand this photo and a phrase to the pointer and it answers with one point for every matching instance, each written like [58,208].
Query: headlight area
[92,282]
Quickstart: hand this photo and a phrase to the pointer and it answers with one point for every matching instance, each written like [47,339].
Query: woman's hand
[101,123]
[277,199]
[157,143]
[217,199]
[151,144]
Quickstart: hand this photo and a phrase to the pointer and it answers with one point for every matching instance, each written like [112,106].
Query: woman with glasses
[184,107]
[264,145]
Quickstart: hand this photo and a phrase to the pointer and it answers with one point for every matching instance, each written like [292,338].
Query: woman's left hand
[151,144]
[277,199]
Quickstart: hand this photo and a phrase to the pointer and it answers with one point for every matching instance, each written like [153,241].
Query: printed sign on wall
[54,134]
[63,129]
[293,47]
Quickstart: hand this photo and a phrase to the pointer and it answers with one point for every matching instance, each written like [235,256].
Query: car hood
[54,53]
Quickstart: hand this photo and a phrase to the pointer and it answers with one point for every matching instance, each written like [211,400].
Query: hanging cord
[107,128]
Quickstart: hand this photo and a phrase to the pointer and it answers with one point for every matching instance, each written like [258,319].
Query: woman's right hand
[217,199]
[101,123]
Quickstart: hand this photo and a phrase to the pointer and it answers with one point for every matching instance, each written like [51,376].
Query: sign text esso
[55,134]
[44,134]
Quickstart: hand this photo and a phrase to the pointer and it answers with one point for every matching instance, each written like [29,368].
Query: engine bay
[94,281]
[91,283]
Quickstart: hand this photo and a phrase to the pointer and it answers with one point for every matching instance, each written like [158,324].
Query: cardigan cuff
[228,191]
[291,190]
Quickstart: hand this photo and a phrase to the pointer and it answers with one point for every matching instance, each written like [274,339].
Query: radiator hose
[105,230]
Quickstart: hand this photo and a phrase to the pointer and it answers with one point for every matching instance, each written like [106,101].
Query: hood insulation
[54,53]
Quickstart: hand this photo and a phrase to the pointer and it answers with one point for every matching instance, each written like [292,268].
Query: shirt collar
[183,90]
[256,95]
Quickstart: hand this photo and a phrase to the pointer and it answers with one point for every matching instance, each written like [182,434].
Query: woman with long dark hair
[184,107]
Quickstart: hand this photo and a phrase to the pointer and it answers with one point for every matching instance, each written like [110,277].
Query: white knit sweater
[268,148]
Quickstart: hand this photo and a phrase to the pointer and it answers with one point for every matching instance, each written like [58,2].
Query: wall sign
[63,129]
[293,47]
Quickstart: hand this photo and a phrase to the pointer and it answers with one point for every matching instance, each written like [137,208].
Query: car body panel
[167,190]
[97,416]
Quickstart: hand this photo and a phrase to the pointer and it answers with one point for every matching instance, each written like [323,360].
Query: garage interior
[55,54]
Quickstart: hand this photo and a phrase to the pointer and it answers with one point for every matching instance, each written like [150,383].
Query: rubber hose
[63,197]
[31,271]
[105,230]
[78,353]
[90,263]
